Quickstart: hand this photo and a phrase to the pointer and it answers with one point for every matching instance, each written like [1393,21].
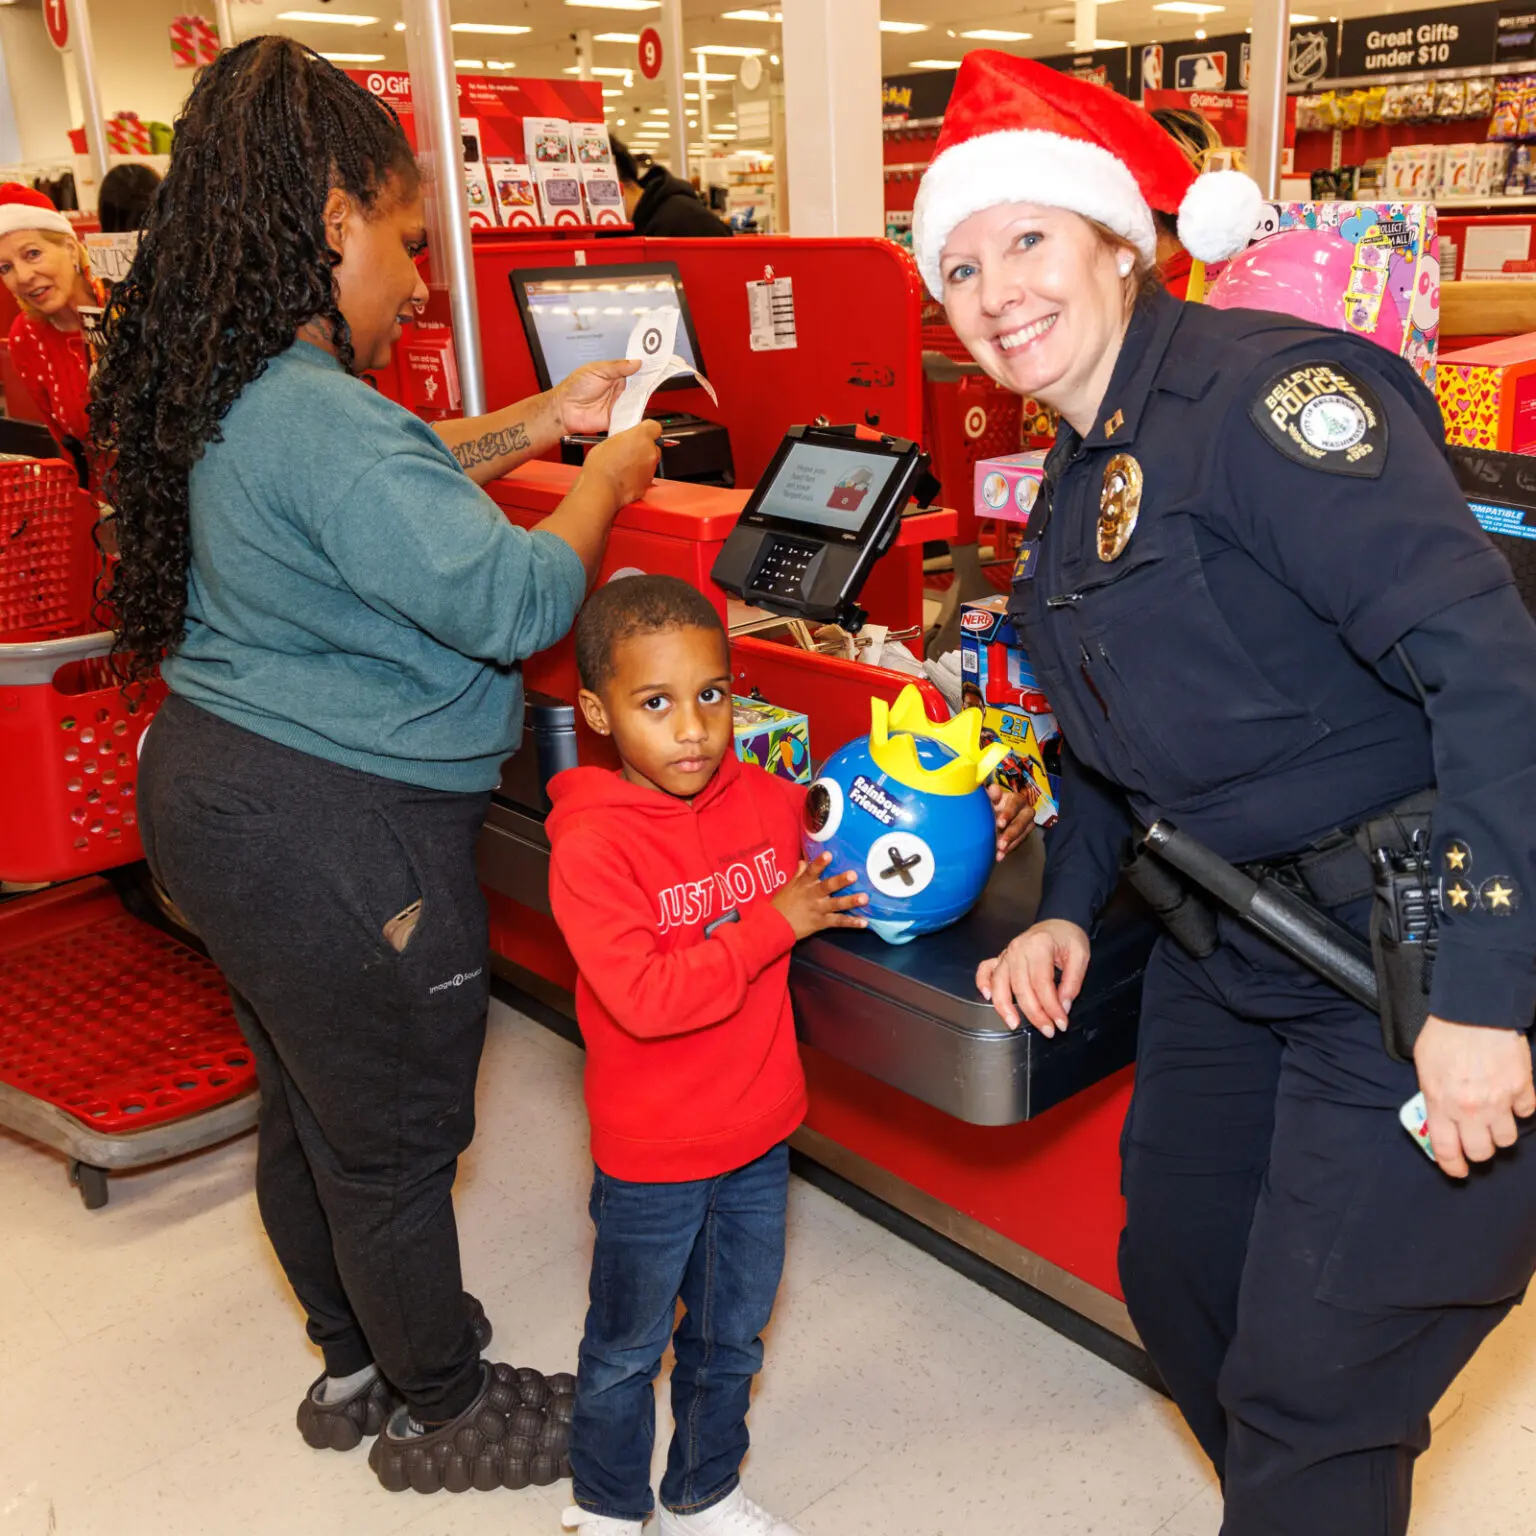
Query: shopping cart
[118,1046]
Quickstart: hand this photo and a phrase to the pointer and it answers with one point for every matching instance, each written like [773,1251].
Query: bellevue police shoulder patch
[1321,415]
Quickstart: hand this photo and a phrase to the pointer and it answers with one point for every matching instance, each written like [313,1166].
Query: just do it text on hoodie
[692,1067]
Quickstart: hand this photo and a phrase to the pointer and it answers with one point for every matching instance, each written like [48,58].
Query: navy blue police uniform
[1242,662]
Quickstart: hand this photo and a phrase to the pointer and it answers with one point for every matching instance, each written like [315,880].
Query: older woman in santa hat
[1264,614]
[44,266]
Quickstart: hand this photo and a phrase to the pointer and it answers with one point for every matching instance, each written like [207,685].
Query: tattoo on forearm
[493,445]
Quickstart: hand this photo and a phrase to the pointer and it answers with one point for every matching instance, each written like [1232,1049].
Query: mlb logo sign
[1201,72]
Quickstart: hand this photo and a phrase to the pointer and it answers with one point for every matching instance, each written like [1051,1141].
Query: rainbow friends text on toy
[906,810]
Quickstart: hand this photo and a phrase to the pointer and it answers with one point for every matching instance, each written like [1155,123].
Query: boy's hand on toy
[1015,817]
[810,901]
[1023,979]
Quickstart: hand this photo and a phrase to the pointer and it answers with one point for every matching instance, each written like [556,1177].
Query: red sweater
[56,368]
[692,1067]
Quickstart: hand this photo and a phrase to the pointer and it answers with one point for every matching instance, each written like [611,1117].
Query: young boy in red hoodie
[679,886]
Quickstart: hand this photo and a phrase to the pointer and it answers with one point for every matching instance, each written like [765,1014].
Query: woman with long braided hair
[339,612]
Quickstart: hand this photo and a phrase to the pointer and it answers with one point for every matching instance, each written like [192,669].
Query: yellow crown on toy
[896,754]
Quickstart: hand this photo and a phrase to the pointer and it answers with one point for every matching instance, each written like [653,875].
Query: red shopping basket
[48,558]
[69,753]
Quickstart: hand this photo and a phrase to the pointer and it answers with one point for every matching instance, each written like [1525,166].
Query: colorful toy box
[1390,290]
[1008,487]
[1487,395]
[997,678]
[773,738]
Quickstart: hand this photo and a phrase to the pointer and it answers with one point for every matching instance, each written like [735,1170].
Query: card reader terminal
[827,507]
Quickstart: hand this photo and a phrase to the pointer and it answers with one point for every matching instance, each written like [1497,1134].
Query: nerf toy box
[1008,487]
[1388,288]
[773,738]
[997,678]
[1487,395]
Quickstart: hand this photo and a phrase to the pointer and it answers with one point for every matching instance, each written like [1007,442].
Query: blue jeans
[718,1245]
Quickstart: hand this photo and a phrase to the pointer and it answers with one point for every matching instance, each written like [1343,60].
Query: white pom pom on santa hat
[1219,214]
[1018,131]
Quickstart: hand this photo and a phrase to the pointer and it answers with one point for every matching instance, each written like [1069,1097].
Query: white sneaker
[585,1523]
[735,1515]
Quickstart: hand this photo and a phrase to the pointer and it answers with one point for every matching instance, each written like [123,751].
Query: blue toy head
[904,808]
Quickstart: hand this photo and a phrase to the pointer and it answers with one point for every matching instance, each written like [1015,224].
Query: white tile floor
[151,1359]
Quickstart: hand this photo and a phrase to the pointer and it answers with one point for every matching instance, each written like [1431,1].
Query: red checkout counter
[998,1151]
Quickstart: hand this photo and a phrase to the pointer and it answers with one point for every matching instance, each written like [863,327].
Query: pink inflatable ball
[1305,273]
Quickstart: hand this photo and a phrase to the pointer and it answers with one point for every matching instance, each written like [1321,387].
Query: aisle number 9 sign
[56,19]
[650,53]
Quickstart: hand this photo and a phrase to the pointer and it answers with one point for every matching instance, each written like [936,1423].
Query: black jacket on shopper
[669,208]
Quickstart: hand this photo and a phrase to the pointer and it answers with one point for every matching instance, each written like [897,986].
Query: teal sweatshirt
[353,594]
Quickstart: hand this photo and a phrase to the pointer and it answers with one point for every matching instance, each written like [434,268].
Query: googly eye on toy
[905,809]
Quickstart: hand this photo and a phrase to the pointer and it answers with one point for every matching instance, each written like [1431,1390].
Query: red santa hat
[1017,131]
[23,208]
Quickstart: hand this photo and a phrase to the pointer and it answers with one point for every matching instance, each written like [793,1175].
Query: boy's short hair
[630,606]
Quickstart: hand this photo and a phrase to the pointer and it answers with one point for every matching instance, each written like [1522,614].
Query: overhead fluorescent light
[1098,42]
[935,63]
[469,63]
[706,76]
[994,35]
[489,28]
[1188,8]
[903,26]
[1304,21]
[617,74]
[753,16]
[328,18]
[500,64]
[617,37]
[615,5]
[612,90]
[354,58]
[729,53]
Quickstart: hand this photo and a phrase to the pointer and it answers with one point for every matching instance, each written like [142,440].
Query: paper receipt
[652,343]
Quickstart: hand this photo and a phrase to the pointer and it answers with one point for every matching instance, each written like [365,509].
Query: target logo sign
[650,53]
[975,421]
[651,341]
[56,19]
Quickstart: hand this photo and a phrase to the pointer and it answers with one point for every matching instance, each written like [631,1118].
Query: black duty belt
[1336,870]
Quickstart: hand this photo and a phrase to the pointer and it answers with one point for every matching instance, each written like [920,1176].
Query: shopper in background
[126,193]
[1262,612]
[1199,141]
[44,266]
[340,611]
[661,204]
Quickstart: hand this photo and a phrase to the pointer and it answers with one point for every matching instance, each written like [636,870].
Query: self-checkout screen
[829,487]
[588,317]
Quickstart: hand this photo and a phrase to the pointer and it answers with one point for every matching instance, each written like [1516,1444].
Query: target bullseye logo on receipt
[652,344]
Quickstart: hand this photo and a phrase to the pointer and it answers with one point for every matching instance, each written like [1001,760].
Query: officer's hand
[1476,1080]
[1015,817]
[1023,979]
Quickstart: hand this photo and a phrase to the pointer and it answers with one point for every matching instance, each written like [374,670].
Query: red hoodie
[692,1067]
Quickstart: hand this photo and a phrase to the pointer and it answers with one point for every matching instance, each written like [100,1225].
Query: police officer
[1251,559]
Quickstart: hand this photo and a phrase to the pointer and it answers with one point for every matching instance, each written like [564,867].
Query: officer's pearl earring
[1125,268]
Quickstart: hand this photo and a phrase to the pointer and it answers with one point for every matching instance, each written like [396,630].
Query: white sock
[338,1389]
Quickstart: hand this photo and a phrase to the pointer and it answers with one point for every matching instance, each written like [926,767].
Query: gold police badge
[1119,505]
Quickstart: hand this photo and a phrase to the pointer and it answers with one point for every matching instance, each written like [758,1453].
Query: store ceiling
[548,47]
